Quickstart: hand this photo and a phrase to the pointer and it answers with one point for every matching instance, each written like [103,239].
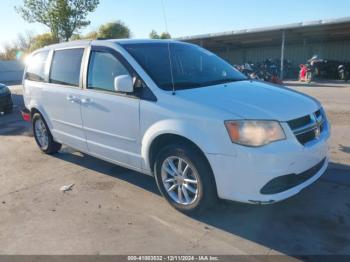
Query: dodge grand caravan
[180,113]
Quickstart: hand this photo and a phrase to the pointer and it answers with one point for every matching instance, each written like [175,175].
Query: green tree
[90,36]
[114,30]
[154,35]
[9,53]
[42,40]
[164,35]
[62,17]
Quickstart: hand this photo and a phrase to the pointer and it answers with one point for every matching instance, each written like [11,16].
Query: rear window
[66,65]
[36,67]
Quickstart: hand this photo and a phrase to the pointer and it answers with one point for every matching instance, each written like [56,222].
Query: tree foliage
[17,48]
[62,17]
[9,53]
[42,40]
[24,44]
[27,43]
[155,35]
[24,41]
[165,35]
[114,30]
[91,36]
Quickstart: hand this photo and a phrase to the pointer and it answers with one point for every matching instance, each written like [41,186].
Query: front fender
[176,127]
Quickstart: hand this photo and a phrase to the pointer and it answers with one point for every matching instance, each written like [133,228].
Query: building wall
[297,54]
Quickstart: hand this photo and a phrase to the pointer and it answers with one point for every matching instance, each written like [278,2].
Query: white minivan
[180,113]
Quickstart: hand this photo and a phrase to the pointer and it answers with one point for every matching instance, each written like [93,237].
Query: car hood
[253,100]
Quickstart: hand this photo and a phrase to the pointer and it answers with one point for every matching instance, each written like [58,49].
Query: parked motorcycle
[306,73]
[310,71]
[248,70]
[314,69]
[343,73]
[266,71]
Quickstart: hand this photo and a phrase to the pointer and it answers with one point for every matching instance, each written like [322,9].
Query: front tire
[43,135]
[185,179]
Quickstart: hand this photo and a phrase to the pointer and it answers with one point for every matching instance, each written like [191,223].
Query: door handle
[72,99]
[86,101]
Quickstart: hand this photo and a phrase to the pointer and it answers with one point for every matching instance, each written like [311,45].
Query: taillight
[26,115]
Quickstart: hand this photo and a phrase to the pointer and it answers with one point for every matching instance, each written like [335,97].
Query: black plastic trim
[285,182]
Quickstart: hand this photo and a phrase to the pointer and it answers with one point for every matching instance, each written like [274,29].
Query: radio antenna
[170,60]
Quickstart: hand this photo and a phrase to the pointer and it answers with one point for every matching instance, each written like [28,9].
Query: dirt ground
[112,210]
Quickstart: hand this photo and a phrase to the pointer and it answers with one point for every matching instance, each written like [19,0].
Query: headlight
[254,132]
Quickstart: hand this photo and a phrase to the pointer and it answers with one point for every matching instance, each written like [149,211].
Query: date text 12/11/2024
[173,258]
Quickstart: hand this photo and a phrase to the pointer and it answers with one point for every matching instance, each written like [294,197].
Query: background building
[330,39]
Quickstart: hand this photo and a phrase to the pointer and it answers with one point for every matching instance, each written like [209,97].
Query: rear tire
[189,188]
[43,135]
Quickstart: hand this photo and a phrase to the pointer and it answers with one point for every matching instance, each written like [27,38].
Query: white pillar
[282,53]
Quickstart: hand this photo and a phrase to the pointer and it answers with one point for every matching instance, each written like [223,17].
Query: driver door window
[103,68]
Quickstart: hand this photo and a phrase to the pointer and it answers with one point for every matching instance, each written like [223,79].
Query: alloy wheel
[180,179]
[41,134]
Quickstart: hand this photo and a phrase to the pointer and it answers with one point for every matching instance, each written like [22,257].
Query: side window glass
[36,67]
[103,68]
[65,67]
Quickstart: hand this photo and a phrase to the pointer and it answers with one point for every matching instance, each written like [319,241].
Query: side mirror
[123,84]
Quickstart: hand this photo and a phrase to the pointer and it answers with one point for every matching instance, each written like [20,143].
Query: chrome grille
[309,127]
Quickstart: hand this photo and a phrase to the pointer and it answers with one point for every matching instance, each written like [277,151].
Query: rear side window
[103,68]
[36,67]
[65,67]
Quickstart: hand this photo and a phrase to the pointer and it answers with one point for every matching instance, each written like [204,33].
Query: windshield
[192,65]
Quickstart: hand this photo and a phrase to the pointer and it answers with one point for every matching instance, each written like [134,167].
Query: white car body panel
[111,125]
[121,129]
[253,100]
[62,108]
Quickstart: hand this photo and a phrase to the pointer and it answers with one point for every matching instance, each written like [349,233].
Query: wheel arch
[165,139]
[168,130]
[175,131]
[170,138]
[33,111]
[38,109]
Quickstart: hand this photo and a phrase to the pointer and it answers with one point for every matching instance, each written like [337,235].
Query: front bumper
[241,177]
[6,101]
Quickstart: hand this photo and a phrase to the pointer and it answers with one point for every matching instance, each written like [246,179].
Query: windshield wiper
[182,85]
[223,81]
[188,85]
